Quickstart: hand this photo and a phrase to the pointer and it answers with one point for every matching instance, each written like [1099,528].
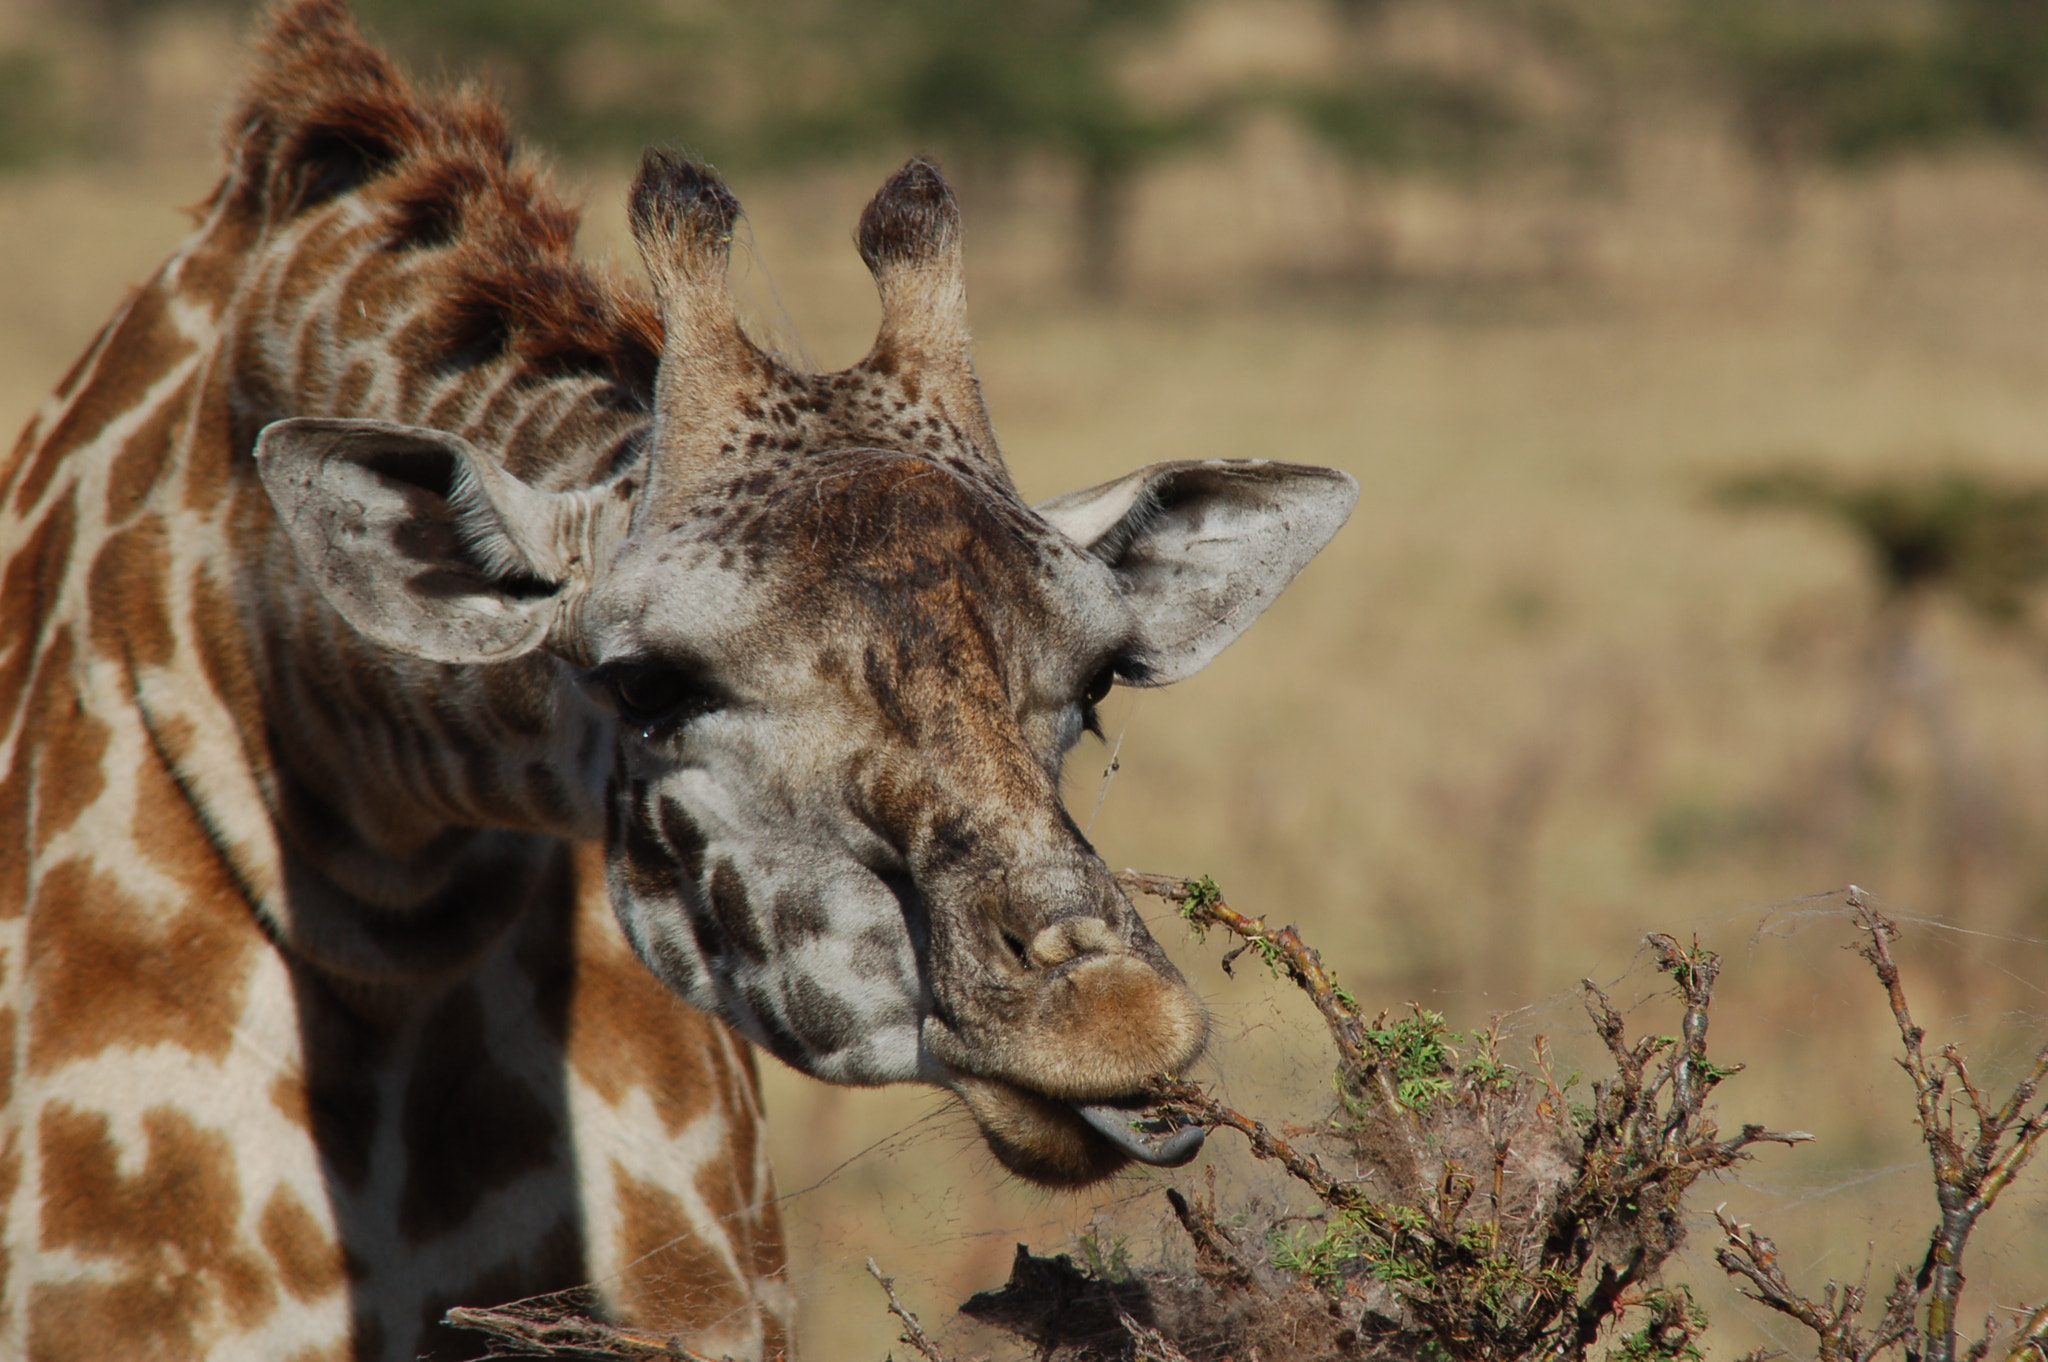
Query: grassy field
[1541,696]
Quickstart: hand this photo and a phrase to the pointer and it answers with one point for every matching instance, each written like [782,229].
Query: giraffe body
[393,610]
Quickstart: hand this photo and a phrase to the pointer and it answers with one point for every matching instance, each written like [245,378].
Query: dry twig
[1216,1253]
[2032,1343]
[1967,1179]
[1754,1258]
[913,1332]
[1536,1270]
[1188,1099]
[1432,1238]
[1147,1343]
[1202,906]
[563,1327]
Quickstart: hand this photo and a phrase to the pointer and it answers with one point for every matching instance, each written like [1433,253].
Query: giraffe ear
[424,543]
[1200,547]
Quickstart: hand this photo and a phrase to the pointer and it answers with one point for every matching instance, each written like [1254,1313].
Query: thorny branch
[1691,1076]
[1182,1098]
[1754,1258]
[2032,1343]
[1478,1269]
[1966,1180]
[1589,1248]
[1215,1251]
[913,1332]
[1626,1111]
[1202,905]
[558,1328]
[1147,1343]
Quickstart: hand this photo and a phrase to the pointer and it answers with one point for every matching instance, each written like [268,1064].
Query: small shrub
[1468,1209]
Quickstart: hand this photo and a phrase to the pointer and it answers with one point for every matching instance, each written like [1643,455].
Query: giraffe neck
[345,782]
[309,1029]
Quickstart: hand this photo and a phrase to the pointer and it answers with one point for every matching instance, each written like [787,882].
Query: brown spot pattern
[9,1025]
[35,571]
[673,1281]
[170,835]
[139,346]
[479,236]
[136,469]
[489,244]
[171,1228]
[10,1178]
[288,1095]
[216,628]
[70,741]
[309,1262]
[735,916]
[130,617]
[14,840]
[626,1030]
[102,978]
[210,450]
[745,1209]
[32,434]
[338,1351]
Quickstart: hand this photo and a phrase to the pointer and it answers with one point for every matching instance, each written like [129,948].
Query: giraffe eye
[647,696]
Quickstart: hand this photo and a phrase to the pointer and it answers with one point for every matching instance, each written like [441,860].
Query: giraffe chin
[1057,1143]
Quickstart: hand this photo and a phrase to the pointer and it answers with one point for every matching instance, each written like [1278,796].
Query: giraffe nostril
[1017,948]
[1062,941]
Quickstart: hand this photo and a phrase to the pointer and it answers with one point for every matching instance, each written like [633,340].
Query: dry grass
[1541,695]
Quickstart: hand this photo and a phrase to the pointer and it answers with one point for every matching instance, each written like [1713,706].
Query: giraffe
[455,704]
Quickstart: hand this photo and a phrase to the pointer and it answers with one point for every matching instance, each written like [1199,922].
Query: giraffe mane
[325,115]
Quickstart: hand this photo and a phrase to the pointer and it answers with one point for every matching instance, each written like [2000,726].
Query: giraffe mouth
[1143,1132]
[1070,1142]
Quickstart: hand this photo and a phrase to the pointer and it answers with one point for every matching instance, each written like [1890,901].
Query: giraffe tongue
[1143,1133]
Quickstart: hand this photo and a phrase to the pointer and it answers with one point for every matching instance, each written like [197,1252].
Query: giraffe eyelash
[1094,694]
[658,699]
[1091,722]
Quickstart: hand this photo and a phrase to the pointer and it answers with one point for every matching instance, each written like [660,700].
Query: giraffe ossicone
[411,606]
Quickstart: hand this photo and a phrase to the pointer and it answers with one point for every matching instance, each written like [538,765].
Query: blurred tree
[989,83]
[1998,54]
[983,84]
[1383,124]
[1405,120]
[1813,83]
[29,126]
[1953,535]
[1385,114]
[108,117]
[1854,86]
[538,54]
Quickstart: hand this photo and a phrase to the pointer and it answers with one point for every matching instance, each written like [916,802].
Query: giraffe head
[839,662]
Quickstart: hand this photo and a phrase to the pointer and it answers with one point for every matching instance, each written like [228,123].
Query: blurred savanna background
[1692,356]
